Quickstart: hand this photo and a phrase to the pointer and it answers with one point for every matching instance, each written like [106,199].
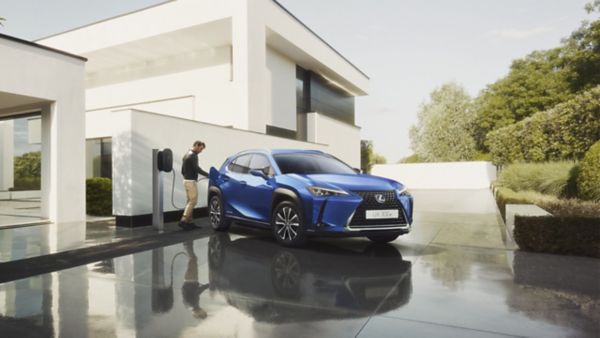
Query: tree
[534,83]
[592,6]
[1,21]
[368,157]
[28,165]
[541,80]
[444,126]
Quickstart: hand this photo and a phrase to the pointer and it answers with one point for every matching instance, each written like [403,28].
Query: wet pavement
[451,277]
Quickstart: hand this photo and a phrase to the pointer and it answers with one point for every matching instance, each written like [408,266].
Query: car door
[258,191]
[235,176]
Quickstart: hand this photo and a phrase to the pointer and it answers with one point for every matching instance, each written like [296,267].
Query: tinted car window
[311,164]
[241,164]
[261,162]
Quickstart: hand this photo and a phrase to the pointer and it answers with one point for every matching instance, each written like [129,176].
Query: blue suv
[303,193]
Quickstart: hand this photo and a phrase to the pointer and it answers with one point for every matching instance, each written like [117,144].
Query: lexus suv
[304,193]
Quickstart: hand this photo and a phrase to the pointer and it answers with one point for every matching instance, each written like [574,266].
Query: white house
[236,74]
[39,81]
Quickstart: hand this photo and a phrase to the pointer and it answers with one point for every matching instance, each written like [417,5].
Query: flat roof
[33,44]
[168,1]
[320,38]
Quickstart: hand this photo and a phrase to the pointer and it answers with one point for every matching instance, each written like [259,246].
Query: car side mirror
[357,170]
[259,173]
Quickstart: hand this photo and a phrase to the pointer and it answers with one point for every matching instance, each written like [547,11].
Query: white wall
[6,155]
[136,133]
[282,90]
[58,82]
[201,90]
[343,139]
[449,175]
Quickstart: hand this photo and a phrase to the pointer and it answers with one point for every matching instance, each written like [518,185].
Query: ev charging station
[162,161]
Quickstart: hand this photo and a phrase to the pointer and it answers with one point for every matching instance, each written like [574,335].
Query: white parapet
[447,175]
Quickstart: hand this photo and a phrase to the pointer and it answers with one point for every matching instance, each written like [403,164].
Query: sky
[407,47]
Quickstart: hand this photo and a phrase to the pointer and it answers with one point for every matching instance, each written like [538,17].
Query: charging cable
[173,190]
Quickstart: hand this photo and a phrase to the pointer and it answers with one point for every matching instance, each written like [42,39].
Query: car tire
[216,214]
[383,238]
[288,224]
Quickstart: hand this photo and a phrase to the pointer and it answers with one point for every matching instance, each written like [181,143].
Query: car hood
[351,182]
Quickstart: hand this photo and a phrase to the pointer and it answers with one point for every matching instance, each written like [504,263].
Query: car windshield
[305,163]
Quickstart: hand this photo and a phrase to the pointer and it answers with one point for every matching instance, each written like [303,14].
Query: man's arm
[202,172]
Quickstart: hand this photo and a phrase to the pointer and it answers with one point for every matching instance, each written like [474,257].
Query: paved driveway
[451,277]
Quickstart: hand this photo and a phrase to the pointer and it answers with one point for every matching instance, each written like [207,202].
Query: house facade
[236,74]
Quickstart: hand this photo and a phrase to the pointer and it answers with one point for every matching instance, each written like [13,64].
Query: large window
[314,93]
[99,157]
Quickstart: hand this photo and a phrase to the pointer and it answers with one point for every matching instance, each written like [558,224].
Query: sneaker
[184,225]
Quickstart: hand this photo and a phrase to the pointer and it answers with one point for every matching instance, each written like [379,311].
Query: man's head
[198,147]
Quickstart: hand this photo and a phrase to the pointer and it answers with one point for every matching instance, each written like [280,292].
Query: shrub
[99,196]
[414,158]
[506,196]
[26,183]
[551,178]
[559,235]
[588,179]
[571,207]
[564,132]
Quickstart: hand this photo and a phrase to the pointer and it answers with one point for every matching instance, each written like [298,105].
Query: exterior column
[7,158]
[249,64]
[63,160]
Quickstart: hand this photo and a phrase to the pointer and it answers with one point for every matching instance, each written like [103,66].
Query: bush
[551,178]
[414,158]
[98,196]
[26,183]
[506,196]
[588,179]
[570,207]
[559,235]
[564,132]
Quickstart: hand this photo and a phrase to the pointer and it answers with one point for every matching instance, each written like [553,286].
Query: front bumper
[334,216]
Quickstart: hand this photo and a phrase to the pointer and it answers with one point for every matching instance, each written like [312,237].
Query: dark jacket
[190,168]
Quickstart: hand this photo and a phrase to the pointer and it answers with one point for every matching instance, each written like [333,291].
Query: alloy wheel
[288,223]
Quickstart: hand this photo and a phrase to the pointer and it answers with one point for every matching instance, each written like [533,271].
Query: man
[190,171]
[191,288]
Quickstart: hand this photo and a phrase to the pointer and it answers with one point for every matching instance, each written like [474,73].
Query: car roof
[280,151]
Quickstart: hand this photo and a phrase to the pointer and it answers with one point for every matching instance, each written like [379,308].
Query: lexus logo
[380,198]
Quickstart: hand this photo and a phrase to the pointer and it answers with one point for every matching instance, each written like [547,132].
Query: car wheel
[216,214]
[288,224]
[383,238]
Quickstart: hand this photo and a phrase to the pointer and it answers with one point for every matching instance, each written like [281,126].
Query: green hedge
[26,183]
[588,178]
[506,196]
[552,178]
[564,132]
[98,196]
[559,235]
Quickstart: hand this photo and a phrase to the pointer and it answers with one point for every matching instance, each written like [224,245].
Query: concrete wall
[450,175]
[343,139]
[282,89]
[136,133]
[6,155]
[196,87]
[56,82]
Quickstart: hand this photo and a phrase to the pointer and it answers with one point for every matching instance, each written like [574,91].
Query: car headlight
[320,191]
[403,192]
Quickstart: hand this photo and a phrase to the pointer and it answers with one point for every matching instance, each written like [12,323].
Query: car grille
[369,202]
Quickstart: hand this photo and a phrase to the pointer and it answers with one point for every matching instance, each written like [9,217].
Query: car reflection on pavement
[279,285]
